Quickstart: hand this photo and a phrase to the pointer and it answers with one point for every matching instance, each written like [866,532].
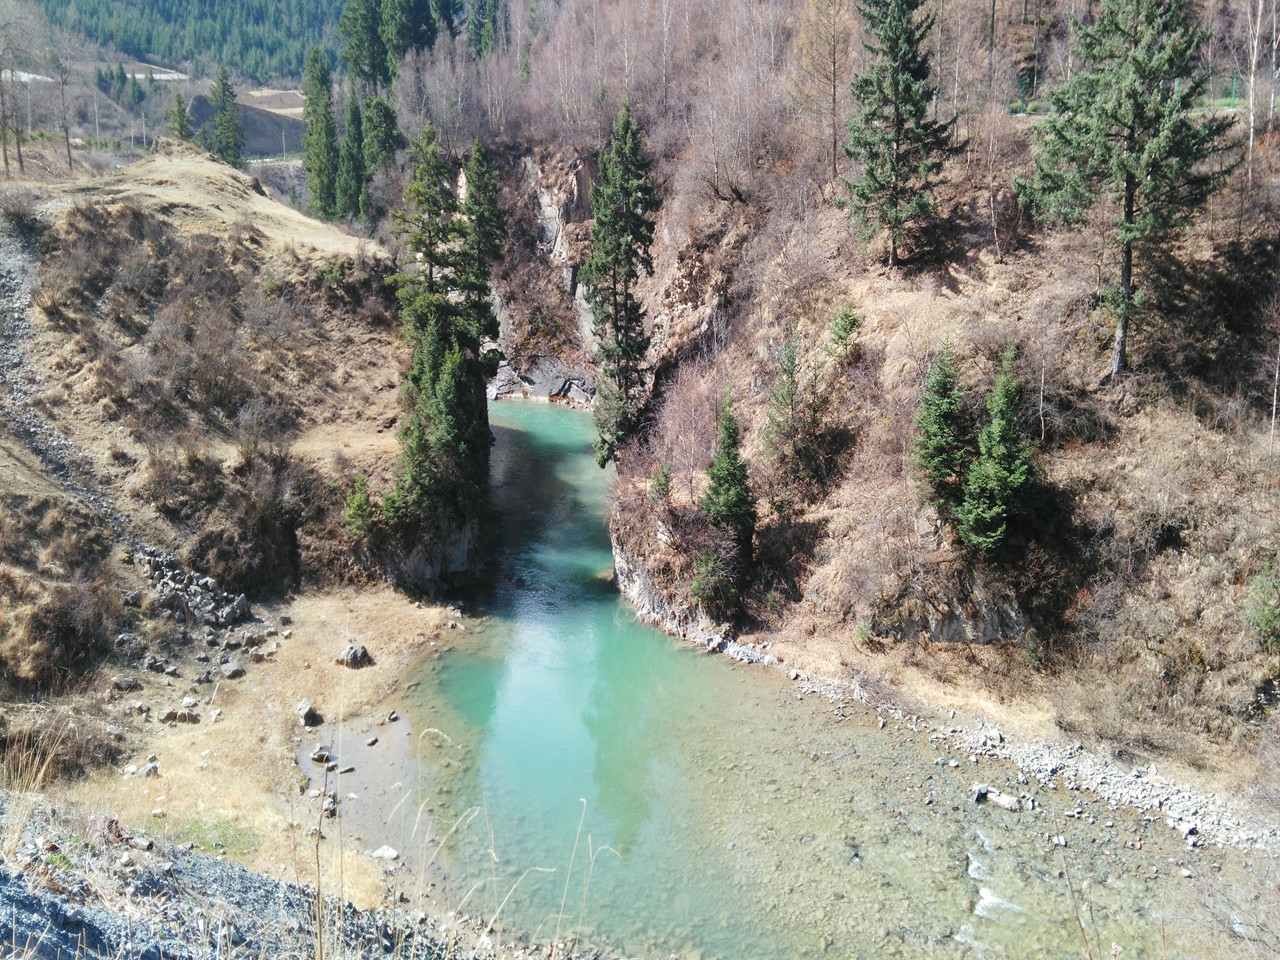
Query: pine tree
[997,480]
[892,137]
[363,50]
[486,231]
[941,438]
[446,438]
[728,499]
[482,25]
[382,137]
[1129,122]
[226,138]
[622,202]
[350,184]
[319,138]
[179,117]
[406,25]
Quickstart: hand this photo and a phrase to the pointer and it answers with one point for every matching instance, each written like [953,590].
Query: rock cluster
[186,597]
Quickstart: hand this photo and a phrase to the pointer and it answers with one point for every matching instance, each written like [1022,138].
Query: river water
[581,776]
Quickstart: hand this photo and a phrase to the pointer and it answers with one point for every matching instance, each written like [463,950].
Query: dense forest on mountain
[259,39]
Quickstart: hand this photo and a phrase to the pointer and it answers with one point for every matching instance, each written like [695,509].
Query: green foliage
[795,429]
[660,483]
[406,25]
[179,118]
[844,328]
[728,499]
[997,481]
[892,136]
[350,185]
[224,136]
[445,439]
[360,512]
[714,586]
[942,434]
[382,137]
[255,38]
[319,139]
[363,49]
[1127,124]
[482,25]
[622,203]
[1262,608]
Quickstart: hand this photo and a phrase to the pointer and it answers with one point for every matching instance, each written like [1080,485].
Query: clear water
[577,774]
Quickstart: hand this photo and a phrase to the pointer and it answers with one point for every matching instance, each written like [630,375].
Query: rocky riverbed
[87,888]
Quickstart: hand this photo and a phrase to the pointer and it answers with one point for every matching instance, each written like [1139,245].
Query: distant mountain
[258,39]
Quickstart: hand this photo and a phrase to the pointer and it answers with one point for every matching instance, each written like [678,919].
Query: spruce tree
[406,25]
[893,139]
[179,117]
[997,481]
[445,439]
[382,137]
[728,499]
[941,438]
[1129,123]
[319,138]
[446,14]
[482,25]
[622,203]
[363,49]
[226,137]
[350,185]
[486,232]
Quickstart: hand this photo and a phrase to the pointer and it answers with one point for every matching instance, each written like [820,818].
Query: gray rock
[355,657]
[232,670]
[308,715]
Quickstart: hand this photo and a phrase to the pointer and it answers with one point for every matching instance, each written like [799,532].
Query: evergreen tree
[941,438]
[319,137]
[892,137]
[486,231]
[119,82]
[406,25]
[482,25]
[446,14]
[622,202]
[1128,122]
[226,138]
[446,438]
[363,50]
[997,480]
[728,499]
[179,117]
[350,186]
[382,137]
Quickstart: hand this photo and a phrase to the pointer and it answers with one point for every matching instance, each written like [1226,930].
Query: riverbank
[962,719]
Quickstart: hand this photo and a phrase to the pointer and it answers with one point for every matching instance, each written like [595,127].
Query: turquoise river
[576,775]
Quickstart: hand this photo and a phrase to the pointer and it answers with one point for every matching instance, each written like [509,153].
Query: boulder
[308,715]
[232,670]
[1006,800]
[355,657]
[385,853]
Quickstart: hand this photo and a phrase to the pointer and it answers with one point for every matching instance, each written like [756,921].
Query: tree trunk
[893,248]
[66,136]
[1118,362]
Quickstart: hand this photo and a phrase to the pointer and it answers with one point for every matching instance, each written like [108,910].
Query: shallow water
[577,774]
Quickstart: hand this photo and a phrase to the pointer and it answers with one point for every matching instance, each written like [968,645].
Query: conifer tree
[1128,122]
[319,138]
[350,185]
[363,49]
[445,439]
[382,137]
[893,139]
[481,249]
[728,499]
[179,117]
[482,25]
[447,14]
[997,480]
[622,203]
[406,25]
[225,139]
[941,438]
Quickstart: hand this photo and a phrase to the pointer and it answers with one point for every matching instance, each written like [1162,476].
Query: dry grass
[236,780]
